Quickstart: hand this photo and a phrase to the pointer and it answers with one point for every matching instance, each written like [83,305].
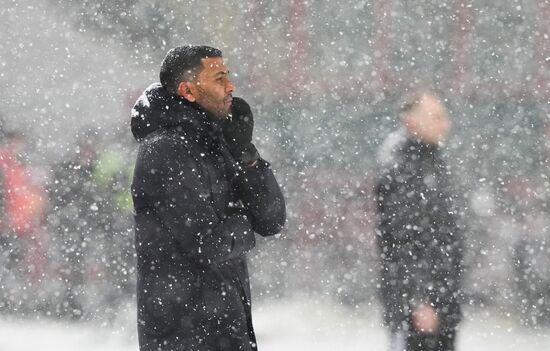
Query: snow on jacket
[193,285]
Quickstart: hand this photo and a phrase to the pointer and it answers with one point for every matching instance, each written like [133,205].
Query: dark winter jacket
[193,289]
[420,242]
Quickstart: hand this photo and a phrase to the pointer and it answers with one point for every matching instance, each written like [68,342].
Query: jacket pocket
[161,308]
[223,301]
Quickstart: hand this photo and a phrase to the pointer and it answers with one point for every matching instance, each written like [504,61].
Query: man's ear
[185,90]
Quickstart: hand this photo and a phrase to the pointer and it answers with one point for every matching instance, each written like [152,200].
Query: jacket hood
[391,147]
[156,109]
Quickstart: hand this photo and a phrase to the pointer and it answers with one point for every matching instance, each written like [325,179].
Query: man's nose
[229,88]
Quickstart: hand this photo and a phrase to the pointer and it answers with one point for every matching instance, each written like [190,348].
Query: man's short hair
[182,63]
[411,100]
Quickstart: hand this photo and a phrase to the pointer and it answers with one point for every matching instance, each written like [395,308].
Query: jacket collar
[156,109]
[415,146]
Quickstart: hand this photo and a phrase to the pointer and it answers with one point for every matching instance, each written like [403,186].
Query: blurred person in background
[113,175]
[419,240]
[525,231]
[22,205]
[200,191]
[531,269]
[75,215]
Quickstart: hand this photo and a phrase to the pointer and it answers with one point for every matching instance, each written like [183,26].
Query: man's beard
[216,113]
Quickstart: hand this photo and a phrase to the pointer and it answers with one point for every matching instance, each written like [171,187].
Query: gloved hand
[425,319]
[237,131]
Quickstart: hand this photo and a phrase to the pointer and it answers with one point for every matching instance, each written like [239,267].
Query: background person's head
[87,142]
[198,74]
[15,141]
[426,118]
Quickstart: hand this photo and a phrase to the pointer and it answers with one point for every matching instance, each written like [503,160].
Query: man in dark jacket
[200,191]
[420,243]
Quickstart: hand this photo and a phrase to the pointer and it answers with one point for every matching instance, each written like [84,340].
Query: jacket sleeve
[392,290]
[167,181]
[258,189]
[448,254]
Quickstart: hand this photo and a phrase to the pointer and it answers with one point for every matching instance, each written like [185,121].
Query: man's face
[429,120]
[212,88]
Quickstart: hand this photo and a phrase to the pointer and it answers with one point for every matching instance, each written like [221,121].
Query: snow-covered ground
[313,323]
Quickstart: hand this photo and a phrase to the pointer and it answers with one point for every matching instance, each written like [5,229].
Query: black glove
[237,131]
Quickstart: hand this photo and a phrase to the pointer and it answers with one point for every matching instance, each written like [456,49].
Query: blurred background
[324,80]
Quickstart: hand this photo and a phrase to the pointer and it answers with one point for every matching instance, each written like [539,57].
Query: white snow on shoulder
[390,146]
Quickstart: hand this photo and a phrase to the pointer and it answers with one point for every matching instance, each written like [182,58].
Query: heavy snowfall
[325,81]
